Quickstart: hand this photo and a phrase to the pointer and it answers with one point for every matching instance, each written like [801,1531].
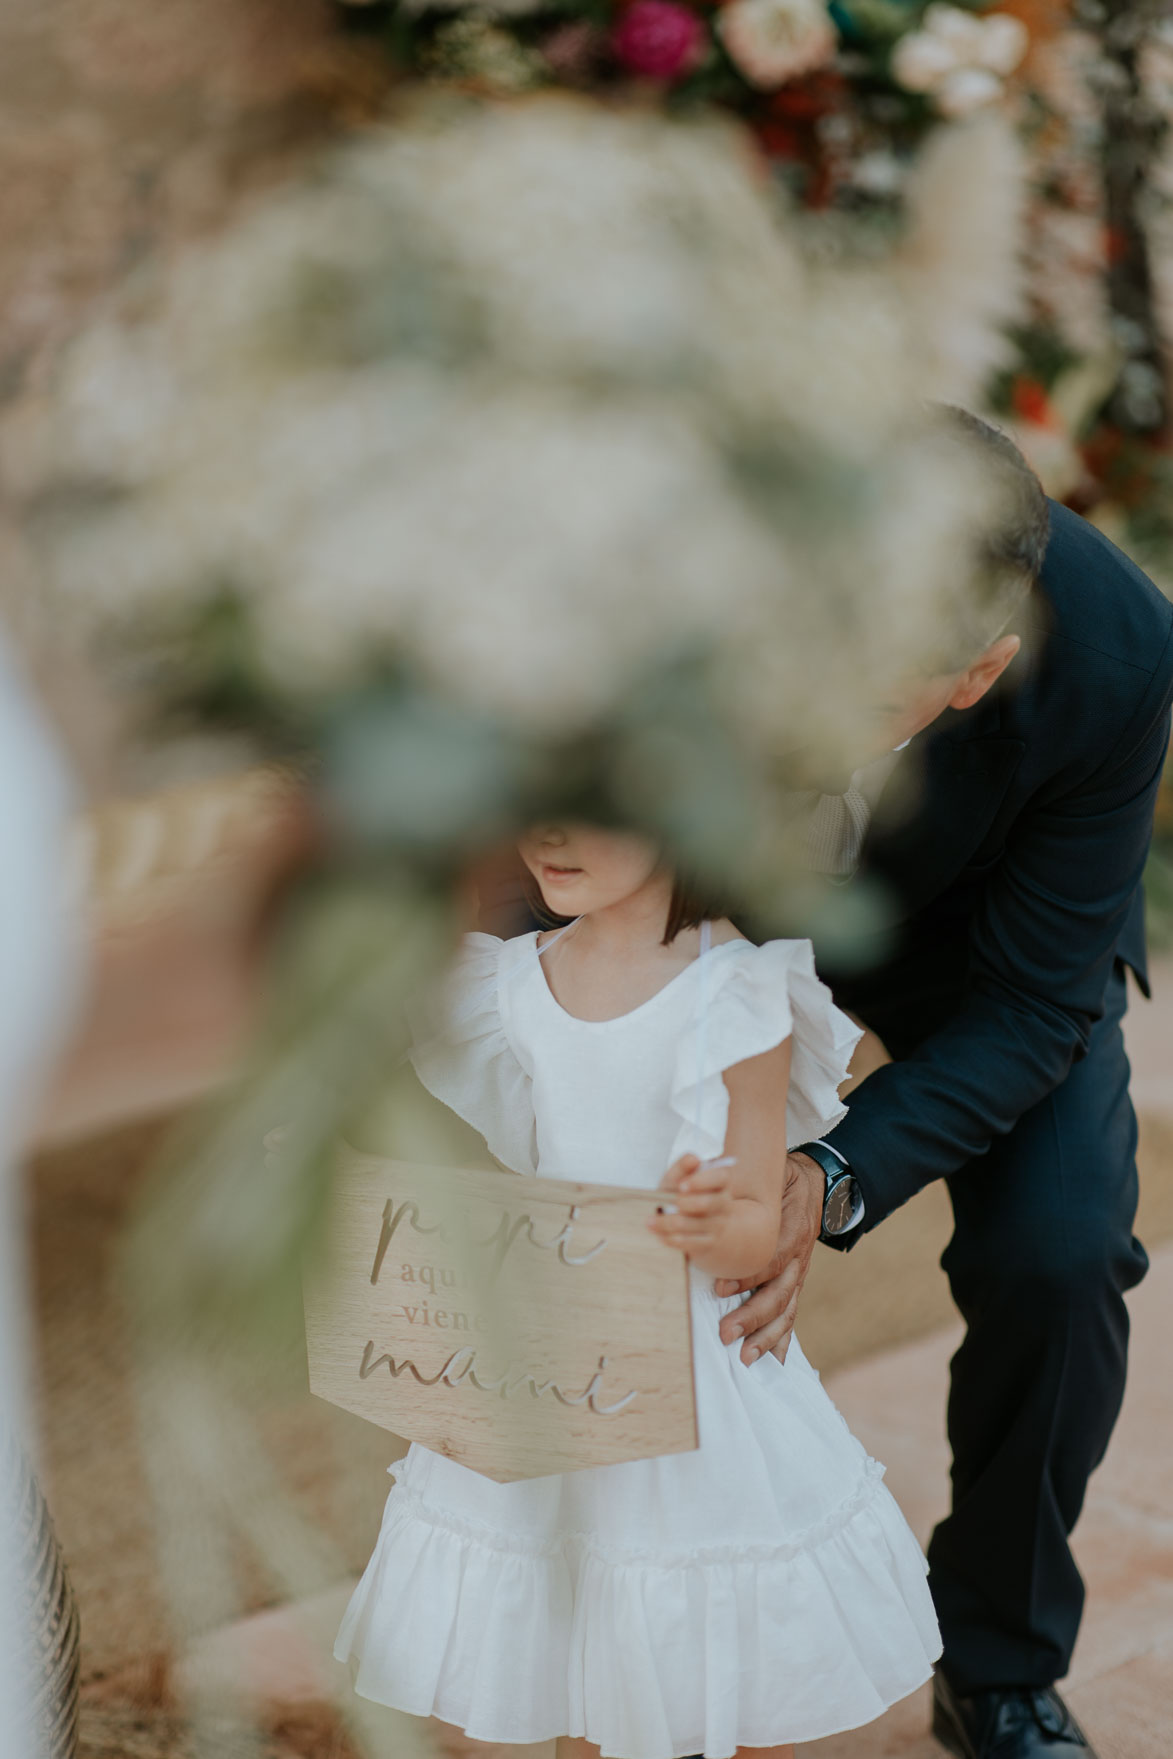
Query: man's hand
[766,1320]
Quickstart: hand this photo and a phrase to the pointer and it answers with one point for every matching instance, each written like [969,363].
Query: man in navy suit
[1016,887]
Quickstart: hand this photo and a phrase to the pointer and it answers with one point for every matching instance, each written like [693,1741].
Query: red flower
[778,139]
[657,39]
[1029,400]
[805,100]
[1116,244]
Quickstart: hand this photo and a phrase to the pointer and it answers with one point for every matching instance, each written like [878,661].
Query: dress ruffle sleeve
[462,1053]
[750,1000]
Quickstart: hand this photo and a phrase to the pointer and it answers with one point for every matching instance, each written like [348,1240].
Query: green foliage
[225,1223]
[1042,352]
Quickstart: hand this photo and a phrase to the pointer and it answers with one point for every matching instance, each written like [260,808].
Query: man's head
[1007,565]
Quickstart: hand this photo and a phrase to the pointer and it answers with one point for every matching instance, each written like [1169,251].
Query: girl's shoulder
[465,1054]
[472,986]
[762,961]
[762,971]
[776,979]
[482,956]
[765,992]
[757,997]
[485,971]
[760,956]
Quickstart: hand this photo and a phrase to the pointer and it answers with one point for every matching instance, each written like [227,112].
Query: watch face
[839,1206]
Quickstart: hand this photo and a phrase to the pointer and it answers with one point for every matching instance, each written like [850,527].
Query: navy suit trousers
[1041,1256]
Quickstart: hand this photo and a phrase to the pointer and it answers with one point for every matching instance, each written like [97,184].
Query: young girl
[762,1590]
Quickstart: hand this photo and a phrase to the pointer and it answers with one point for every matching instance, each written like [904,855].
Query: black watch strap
[840,1193]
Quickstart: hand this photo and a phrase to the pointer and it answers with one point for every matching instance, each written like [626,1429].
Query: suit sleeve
[1043,946]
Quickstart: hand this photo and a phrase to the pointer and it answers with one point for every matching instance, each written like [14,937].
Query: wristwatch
[842,1197]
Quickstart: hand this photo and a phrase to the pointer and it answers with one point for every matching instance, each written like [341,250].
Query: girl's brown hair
[689,906]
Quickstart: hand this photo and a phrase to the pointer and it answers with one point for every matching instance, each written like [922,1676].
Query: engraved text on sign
[519,1326]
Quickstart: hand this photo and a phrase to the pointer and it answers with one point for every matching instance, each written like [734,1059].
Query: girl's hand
[701,1205]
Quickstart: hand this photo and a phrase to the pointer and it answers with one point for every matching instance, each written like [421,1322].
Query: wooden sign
[521,1326]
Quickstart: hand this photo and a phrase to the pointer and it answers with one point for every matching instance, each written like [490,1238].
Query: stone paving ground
[1121,1682]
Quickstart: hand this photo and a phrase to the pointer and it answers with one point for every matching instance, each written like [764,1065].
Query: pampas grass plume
[961,261]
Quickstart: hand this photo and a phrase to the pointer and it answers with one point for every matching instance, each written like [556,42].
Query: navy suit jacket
[1016,880]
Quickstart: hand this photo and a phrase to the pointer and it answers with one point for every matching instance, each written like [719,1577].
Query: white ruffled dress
[760,1590]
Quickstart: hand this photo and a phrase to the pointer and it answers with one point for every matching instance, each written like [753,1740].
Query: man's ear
[985,672]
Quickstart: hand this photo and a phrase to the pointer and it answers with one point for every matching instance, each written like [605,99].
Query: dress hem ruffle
[683,1750]
[521,1642]
[483,1533]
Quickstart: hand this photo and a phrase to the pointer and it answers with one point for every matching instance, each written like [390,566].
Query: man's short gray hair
[1011,552]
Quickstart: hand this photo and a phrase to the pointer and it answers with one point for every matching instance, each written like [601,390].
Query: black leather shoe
[1024,1722]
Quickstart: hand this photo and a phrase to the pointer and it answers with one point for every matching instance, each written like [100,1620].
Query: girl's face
[581,868]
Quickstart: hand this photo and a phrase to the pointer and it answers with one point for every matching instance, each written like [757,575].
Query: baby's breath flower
[533,402]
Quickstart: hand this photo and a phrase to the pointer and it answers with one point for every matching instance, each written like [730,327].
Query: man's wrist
[817,1178]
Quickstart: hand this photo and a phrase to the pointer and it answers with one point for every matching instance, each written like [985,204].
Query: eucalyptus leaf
[407,771]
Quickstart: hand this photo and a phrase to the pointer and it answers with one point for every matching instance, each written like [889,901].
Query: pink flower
[657,39]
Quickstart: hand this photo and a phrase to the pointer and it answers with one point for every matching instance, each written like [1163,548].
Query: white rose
[959,59]
[1005,40]
[967,89]
[921,61]
[772,41]
[878,173]
[961,30]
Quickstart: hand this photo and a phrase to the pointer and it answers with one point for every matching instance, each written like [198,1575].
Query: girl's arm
[727,1217]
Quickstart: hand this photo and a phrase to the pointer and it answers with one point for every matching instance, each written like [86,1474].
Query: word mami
[461,1369]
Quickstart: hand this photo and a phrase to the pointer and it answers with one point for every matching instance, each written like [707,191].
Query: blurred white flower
[966,90]
[772,41]
[421,406]
[878,173]
[960,59]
